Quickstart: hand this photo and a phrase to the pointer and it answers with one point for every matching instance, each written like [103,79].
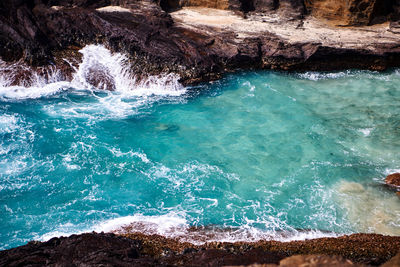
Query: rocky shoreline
[136,249]
[201,40]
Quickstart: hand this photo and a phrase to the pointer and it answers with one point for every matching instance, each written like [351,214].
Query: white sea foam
[99,72]
[390,171]
[33,86]
[118,153]
[174,225]
[97,59]
[100,69]
[366,131]
[315,76]
[8,123]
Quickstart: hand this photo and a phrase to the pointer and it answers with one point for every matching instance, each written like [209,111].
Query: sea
[256,155]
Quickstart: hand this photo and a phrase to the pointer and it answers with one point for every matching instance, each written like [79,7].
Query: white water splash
[366,132]
[99,70]
[35,85]
[316,76]
[174,225]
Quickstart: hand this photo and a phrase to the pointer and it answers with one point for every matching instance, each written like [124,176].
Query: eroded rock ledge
[142,250]
[200,43]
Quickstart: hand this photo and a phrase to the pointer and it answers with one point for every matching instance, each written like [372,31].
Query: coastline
[197,43]
[137,249]
[183,42]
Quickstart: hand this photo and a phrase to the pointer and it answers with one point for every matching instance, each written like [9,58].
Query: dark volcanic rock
[76,250]
[142,250]
[265,34]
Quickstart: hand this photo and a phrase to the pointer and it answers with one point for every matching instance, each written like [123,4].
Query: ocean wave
[100,70]
[315,76]
[174,225]
[103,82]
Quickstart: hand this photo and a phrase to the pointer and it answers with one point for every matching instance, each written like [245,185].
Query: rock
[136,249]
[98,77]
[317,261]
[393,180]
[353,12]
[85,249]
[393,262]
[197,43]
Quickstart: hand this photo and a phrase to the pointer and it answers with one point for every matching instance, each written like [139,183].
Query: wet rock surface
[198,43]
[393,180]
[137,249]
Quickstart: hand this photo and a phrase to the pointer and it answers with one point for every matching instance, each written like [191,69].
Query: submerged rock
[393,180]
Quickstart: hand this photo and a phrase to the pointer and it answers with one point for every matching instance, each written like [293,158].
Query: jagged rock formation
[199,44]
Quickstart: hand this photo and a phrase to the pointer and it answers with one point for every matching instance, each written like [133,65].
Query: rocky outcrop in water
[198,43]
[393,180]
[141,250]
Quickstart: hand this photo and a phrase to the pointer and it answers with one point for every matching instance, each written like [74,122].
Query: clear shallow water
[264,154]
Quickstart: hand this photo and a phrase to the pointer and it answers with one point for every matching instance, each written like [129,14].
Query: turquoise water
[262,153]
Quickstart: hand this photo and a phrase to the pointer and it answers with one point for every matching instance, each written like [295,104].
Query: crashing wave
[100,69]
[174,225]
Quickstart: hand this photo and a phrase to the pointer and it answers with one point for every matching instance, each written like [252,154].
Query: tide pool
[263,154]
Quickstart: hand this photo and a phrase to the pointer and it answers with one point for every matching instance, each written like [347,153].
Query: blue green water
[263,152]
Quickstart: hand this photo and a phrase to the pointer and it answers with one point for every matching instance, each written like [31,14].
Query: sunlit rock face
[352,12]
[341,12]
[171,5]
[293,8]
[220,4]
